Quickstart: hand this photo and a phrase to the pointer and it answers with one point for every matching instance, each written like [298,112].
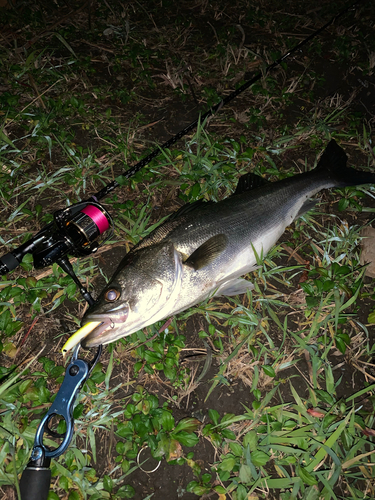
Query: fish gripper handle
[36,478]
[76,374]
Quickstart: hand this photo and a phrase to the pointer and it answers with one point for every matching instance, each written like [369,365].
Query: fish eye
[111,295]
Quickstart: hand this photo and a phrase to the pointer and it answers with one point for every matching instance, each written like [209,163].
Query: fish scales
[204,248]
[245,218]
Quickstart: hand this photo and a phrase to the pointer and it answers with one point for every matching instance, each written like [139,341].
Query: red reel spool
[87,224]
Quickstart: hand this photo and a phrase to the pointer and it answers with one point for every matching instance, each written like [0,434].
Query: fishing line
[97,217]
[138,166]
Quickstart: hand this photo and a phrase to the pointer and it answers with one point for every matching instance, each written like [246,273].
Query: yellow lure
[78,336]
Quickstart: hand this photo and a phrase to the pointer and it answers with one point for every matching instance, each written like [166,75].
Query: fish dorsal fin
[207,252]
[173,221]
[189,207]
[333,158]
[249,181]
[157,235]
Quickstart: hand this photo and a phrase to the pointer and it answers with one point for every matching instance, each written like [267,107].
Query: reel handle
[8,262]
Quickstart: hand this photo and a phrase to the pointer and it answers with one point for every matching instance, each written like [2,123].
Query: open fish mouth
[96,336]
[97,328]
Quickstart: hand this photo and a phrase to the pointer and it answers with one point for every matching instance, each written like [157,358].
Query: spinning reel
[75,230]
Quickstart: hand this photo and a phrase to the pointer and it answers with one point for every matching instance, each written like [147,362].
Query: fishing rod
[75,230]
[78,230]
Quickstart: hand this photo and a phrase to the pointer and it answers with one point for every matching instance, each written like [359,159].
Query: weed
[77,107]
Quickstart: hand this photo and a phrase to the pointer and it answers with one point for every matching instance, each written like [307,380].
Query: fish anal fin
[233,287]
[308,205]
[249,181]
[207,252]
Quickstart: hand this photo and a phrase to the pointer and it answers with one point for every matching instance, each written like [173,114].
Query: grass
[78,106]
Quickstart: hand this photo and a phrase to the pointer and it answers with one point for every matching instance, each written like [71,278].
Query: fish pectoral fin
[207,252]
[234,287]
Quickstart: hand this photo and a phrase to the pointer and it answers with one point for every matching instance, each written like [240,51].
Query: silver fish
[204,248]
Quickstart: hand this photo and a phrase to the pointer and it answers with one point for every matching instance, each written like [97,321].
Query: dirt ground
[165,112]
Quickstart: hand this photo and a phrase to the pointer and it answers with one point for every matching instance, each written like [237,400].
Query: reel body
[75,231]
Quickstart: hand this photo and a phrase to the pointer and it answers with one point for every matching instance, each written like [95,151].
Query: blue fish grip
[76,374]
[36,478]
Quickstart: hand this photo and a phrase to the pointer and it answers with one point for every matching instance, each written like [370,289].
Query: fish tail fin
[333,162]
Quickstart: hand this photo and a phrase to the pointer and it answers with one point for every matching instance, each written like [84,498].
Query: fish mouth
[104,326]
[98,329]
[106,330]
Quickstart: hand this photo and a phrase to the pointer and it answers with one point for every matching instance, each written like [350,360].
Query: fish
[204,248]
